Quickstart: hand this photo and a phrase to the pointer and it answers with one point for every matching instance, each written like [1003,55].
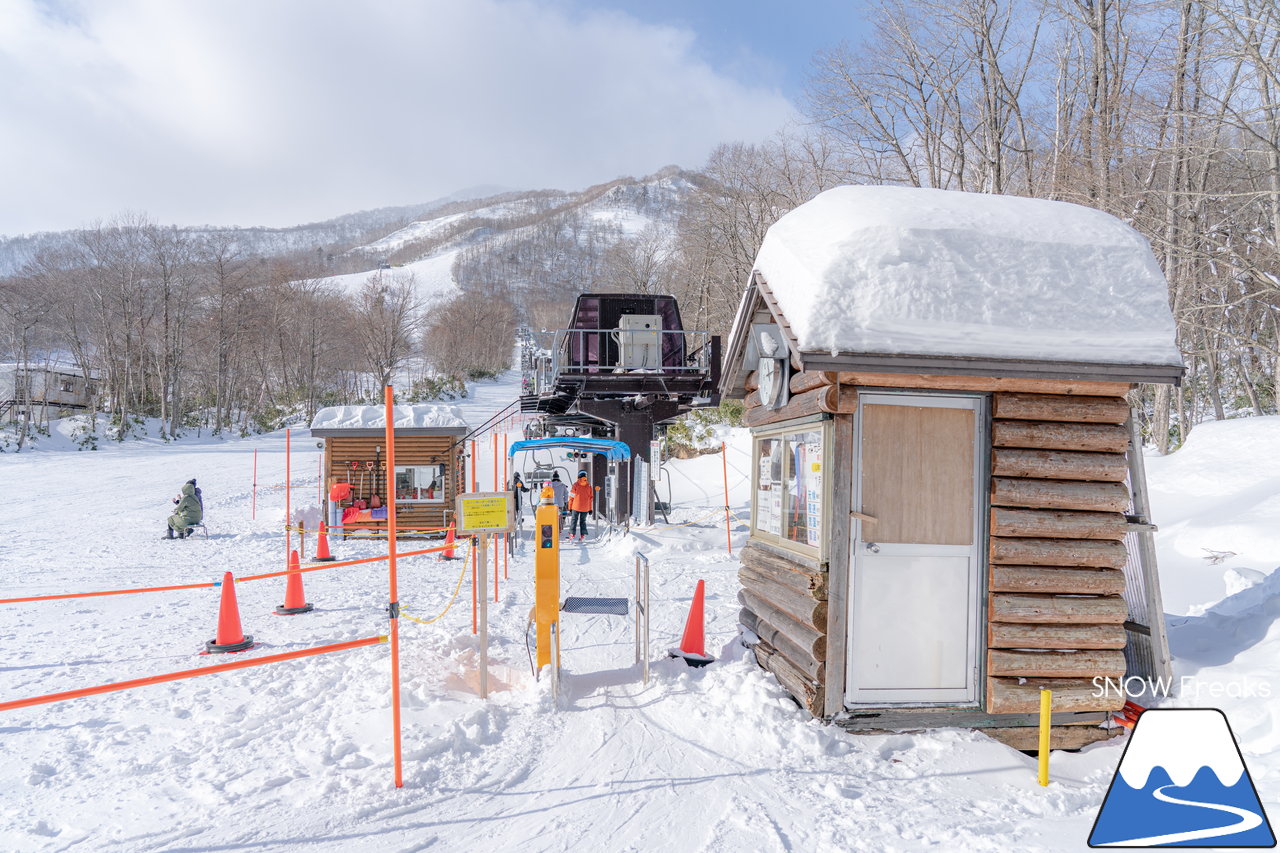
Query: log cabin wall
[1058,496]
[786,596]
[1055,614]
[341,450]
[784,601]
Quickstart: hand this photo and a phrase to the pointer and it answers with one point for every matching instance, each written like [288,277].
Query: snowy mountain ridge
[539,242]
[404,234]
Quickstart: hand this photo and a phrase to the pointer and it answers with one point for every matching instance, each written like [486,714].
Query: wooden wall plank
[1056,664]
[806,691]
[802,656]
[1027,608]
[805,636]
[797,583]
[1027,738]
[1006,635]
[809,379]
[1057,579]
[757,557]
[799,406]
[1059,494]
[1057,523]
[1058,465]
[1058,552]
[1060,407]
[838,566]
[983,383]
[1048,435]
[1010,696]
[800,604]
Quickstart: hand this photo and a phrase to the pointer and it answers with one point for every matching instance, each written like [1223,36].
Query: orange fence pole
[288,517]
[395,596]
[475,468]
[495,462]
[253,507]
[724,463]
[187,673]
[506,478]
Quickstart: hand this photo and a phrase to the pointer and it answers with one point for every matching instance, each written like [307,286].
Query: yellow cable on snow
[452,598]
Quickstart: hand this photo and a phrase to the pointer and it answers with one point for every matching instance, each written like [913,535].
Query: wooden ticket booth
[948,504]
[429,462]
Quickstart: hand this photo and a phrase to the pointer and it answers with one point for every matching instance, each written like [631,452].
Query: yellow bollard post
[1046,701]
[546,574]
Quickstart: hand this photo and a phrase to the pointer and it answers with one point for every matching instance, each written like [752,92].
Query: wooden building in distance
[948,501]
[54,386]
[429,460]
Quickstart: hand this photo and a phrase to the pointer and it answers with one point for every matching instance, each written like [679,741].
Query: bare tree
[387,322]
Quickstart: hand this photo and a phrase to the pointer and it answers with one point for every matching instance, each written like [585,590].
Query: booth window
[789,468]
[420,483]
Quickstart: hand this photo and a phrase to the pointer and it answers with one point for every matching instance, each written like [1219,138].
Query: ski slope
[432,278]
[297,755]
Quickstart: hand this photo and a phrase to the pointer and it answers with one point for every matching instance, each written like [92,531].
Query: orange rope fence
[187,673]
[313,568]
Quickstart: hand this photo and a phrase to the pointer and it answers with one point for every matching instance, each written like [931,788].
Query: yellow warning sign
[479,512]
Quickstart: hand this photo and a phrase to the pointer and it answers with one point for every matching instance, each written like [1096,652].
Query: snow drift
[934,272]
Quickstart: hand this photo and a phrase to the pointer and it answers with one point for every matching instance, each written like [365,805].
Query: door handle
[873,548]
[861,516]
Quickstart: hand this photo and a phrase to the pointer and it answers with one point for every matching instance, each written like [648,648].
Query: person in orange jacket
[581,499]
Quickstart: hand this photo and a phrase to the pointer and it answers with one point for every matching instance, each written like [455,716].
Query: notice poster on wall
[769,487]
[813,493]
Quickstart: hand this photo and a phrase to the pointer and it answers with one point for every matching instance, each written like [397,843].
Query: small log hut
[429,459]
[944,521]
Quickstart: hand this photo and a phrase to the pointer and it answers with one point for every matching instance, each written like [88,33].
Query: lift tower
[623,368]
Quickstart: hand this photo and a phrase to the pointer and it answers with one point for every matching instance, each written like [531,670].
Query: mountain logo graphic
[1182,783]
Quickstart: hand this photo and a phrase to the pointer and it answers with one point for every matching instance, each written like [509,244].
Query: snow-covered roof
[417,416]
[900,270]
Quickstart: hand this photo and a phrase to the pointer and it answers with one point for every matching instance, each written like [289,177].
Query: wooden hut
[429,460]
[948,509]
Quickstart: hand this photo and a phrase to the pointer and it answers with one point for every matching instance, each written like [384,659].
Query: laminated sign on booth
[1182,782]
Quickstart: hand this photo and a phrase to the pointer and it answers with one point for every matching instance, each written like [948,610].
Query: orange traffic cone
[322,547]
[693,644]
[294,600]
[230,637]
[448,541]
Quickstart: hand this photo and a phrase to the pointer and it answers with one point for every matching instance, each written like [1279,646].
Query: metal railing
[555,663]
[577,352]
[642,614]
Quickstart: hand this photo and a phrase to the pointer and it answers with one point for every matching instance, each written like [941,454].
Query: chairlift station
[623,368]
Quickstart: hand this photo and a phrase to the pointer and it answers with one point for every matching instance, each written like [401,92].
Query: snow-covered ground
[297,755]
[432,278]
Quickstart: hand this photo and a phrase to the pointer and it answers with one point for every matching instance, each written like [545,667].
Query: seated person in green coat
[190,511]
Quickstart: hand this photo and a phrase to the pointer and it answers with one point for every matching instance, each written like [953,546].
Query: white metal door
[914,597]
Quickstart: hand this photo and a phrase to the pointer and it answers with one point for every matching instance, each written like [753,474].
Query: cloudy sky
[277,112]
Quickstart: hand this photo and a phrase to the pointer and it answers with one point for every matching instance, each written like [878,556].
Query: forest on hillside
[1164,113]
